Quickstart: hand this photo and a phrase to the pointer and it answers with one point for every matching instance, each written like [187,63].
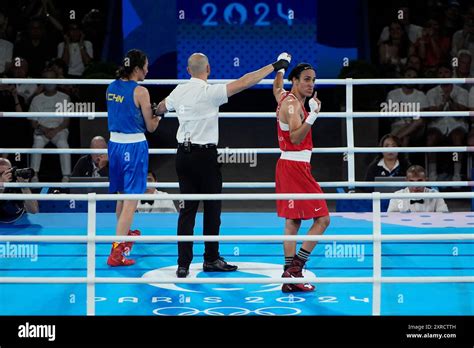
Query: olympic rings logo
[227,311]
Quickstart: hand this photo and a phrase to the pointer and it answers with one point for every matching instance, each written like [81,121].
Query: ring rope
[167,82]
[261,150]
[271,115]
[250,185]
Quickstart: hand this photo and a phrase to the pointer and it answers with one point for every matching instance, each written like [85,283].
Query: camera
[24,173]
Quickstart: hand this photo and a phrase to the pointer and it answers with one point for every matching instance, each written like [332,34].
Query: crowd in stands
[438,44]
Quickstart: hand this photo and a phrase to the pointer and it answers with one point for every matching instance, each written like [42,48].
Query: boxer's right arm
[278,86]
[280,75]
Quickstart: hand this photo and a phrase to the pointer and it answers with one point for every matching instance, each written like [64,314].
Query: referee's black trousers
[198,172]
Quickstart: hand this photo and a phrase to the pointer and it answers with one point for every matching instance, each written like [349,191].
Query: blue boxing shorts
[128,167]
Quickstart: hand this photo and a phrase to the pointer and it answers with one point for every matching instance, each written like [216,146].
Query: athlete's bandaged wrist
[311,118]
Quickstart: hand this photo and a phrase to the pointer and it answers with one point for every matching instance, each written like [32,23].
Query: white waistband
[284,126]
[124,138]
[300,156]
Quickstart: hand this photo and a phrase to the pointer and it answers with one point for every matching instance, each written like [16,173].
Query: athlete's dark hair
[133,59]
[297,70]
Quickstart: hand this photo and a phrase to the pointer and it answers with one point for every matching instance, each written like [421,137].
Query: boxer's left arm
[142,100]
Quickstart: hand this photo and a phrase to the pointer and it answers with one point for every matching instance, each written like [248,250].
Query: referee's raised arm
[252,78]
[198,67]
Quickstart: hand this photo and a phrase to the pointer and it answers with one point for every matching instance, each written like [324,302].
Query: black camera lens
[24,173]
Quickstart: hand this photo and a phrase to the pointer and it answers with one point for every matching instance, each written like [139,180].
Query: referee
[197,107]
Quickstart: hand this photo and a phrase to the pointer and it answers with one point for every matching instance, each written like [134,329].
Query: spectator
[408,99]
[3,25]
[60,68]
[464,39]
[446,97]
[94,165]
[387,163]
[75,51]
[19,69]
[6,47]
[414,62]
[431,47]
[463,66]
[36,48]
[53,129]
[94,26]
[394,51]
[452,18]
[413,31]
[158,205]
[12,210]
[11,101]
[414,174]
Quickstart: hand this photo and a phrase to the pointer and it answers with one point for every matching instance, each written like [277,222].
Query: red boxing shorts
[296,177]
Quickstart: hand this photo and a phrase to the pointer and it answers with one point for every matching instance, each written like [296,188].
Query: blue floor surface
[420,258]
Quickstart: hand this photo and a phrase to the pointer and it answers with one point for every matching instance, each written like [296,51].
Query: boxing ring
[365,264]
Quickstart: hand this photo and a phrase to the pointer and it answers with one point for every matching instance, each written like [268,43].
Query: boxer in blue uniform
[130,114]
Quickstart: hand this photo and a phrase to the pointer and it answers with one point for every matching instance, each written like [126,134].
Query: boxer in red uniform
[293,170]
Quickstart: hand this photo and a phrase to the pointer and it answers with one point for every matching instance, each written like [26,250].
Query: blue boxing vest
[123,115]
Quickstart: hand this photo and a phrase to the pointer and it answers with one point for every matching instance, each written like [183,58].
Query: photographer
[10,211]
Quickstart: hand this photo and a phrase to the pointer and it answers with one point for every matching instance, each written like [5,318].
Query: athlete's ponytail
[133,59]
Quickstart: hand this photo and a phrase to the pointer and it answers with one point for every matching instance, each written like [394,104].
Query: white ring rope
[250,185]
[271,115]
[244,151]
[168,82]
[232,196]
[236,238]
